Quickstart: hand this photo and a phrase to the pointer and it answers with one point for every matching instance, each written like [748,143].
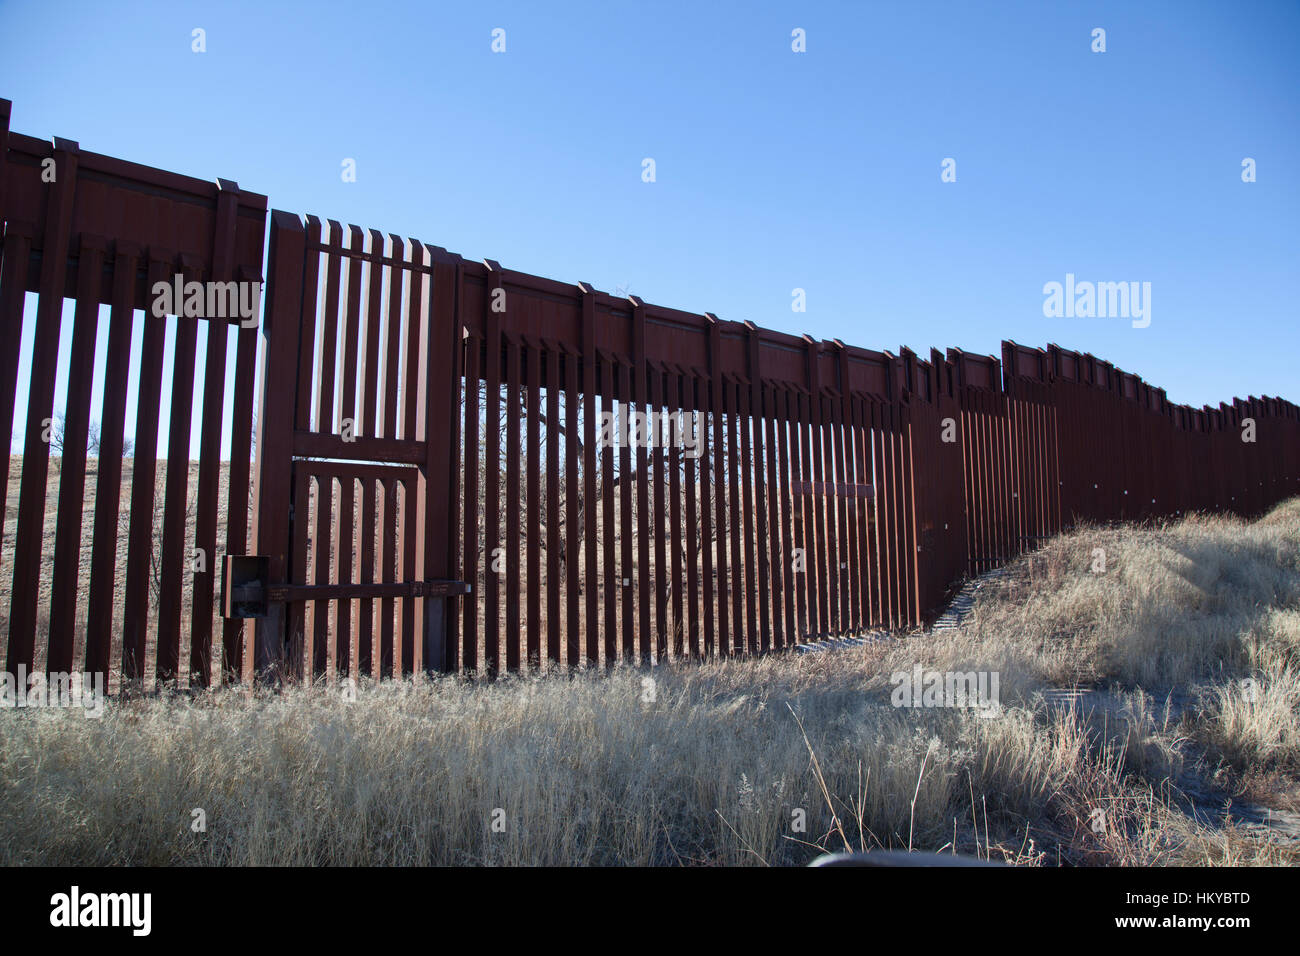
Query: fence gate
[357,445]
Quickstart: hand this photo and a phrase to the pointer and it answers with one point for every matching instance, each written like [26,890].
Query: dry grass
[716,764]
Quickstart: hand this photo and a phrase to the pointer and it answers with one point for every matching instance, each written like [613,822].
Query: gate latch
[245,592]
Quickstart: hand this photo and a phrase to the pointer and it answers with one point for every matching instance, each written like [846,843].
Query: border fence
[418,462]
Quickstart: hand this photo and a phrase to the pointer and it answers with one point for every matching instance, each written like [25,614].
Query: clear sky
[818,170]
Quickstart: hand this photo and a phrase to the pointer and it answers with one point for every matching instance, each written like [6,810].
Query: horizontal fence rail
[461,467]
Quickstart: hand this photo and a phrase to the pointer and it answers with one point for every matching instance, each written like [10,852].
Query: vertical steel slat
[469,604]
[674,406]
[281,365]
[852,504]
[295,611]
[910,518]
[513,518]
[321,566]
[307,332]
[821,550]
[798,505]
[143,491]
[879,508]
[906,543]
[640,397]
[980,398]
[40,408]
[6,112]
[891,529]
[108,490]
[993,433]
[808,505]
[718,531]
[626,579]
[1031,461]
[326,370]
[894,529]
[858,511]
[492,476]
[13,284]
[370,489]
[388,557]
[768,533]
[997,486]
[970,455]
[773,542]
[408,548]
[696,644]
[370,356]
[747,468]
[552,504]
[589,501]
[737,585]
[214,382]
[660,575]
[842,552]
[174,558]
[237,490]
[533,397]
[755,466]
[791,635]
[866,531]
[345,609]
[72,472]
[350,368]
[390,372]
[574,513]
[830,499]
[1021,466]
[611,581]
[412,415]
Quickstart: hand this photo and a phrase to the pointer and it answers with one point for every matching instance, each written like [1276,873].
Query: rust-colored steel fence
[105,584]
[463,467]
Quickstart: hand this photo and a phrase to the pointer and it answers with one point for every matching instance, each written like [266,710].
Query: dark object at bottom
[895,858]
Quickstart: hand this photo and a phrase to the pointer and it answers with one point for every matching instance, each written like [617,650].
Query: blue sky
[775,170]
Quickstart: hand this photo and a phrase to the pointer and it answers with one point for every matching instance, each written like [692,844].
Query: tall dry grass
[720,763]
